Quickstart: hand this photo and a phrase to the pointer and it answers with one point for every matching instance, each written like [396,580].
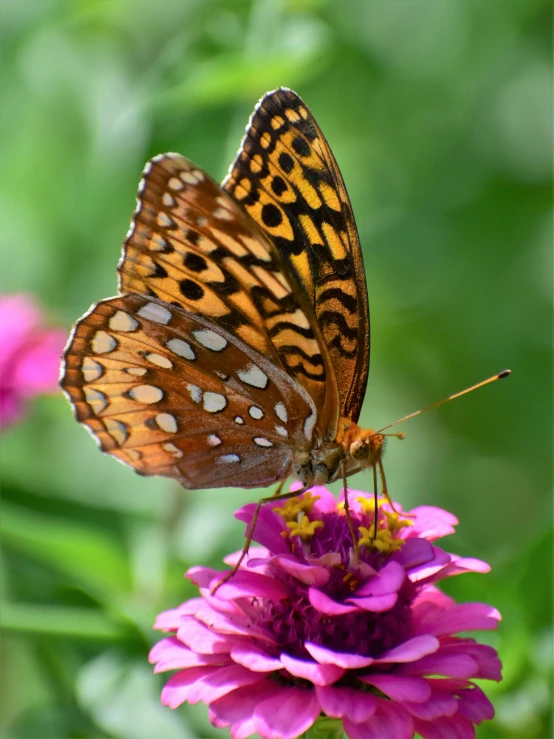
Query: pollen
[395,522]
[304,528]
[383,541]
[368,504]
[295,506]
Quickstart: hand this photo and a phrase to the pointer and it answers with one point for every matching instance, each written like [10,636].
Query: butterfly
[237,350]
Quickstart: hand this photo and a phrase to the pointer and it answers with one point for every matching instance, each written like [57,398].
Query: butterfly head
[366,446]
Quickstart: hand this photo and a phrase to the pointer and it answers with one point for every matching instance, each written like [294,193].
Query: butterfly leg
[384,486]
[375,506]
[347,510]
[252,526]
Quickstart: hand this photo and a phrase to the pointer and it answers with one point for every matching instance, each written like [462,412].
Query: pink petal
[287,715]
[411,650]
[268,526]
[245,584]
[399,688]
[202,640]
[327,502]
[254,659]
[455,727]
[430,523]
[171,620]
[38,367]
[343,659]
[170,654]
[430,568]
[176,689]
[389,580]
[316,673]
[235,625]
[415,552]
[432,595]
[475,705]
[253,553]
[236,709]
[326,605]
[307,574]
[378,604]
[342,702]
[441,703]
[488,663]
[450,665]
[221,681]
[390,721]
[464,617]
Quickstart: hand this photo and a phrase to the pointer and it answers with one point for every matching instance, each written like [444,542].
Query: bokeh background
[439,114]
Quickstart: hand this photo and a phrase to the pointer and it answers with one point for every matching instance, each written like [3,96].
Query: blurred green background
[439,114]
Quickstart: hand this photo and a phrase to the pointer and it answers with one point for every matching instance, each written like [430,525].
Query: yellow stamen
[383,541]
[304,528]
[295,506]
[395,522]
[368,504]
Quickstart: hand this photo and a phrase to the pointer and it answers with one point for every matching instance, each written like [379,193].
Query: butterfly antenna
[499,376]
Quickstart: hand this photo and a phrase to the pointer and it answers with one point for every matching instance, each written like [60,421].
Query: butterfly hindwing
[286,177]
[173,394]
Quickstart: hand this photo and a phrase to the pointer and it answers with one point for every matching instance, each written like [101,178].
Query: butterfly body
[237,351]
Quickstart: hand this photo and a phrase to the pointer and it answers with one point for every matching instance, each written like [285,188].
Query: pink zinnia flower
[30,358]
[307,629]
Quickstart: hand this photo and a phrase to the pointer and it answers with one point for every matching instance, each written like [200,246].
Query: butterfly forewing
[174,394]
[286,177]
[190,245]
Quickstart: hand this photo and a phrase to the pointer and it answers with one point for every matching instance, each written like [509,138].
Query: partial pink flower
[30,357]
[307,627]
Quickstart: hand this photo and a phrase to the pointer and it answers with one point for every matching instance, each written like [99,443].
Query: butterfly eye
[359,449]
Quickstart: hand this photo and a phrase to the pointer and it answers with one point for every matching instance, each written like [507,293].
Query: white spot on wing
[175,184]
[168,200]
[154,312]
[262,441]
[281,411]
[254,376]
[164,220]
[214,402]
[138,371]
[210,340]
[223,214]
[159,360]
[256,412]
[229,458]
[121,321]
[309,424]
[195,393]
[117,430]
[167,422]
[91,369]
[102,343]
[182,348]
[157,242]
[146,394]
[239,420]
[281,430]
[172,449]
[97,400]
[214,440]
